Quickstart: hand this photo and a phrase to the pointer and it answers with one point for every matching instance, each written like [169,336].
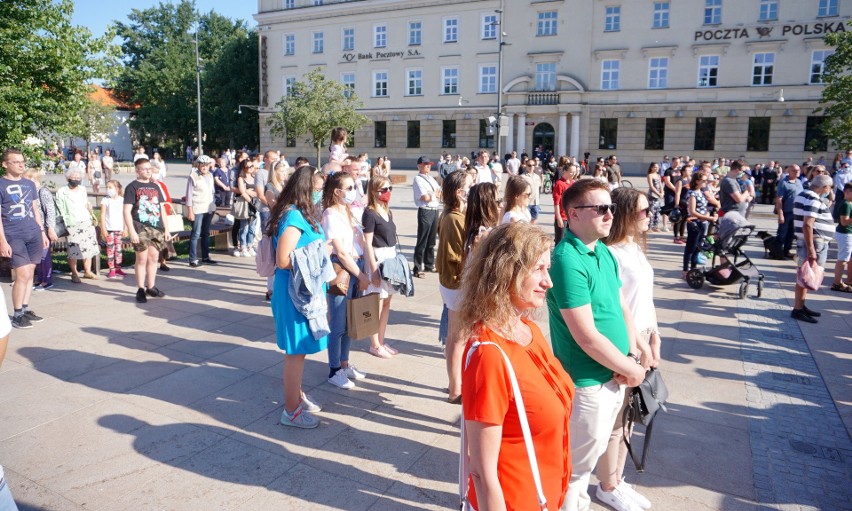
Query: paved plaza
[111,405]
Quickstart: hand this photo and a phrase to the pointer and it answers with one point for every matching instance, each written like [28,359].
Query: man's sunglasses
[600,209]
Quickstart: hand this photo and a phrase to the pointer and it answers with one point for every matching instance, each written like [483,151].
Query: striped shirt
[809,204]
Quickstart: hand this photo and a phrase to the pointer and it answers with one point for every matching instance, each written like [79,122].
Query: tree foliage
[46,64]
[837,94]
[314,107]
[95,122]
[159,76]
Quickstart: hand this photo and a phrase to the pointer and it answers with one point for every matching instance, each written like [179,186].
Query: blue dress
[291,328]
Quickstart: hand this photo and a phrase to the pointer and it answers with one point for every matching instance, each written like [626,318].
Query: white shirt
[535,187]
[637,285]
[512,165]
[483,174]
[516,216]
[337,227]
[425,184]
[114,219]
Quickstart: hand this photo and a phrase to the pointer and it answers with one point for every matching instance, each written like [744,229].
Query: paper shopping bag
[362,316]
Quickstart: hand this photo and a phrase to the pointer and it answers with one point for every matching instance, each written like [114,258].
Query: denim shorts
[534,211]
[821,251]
[844,246]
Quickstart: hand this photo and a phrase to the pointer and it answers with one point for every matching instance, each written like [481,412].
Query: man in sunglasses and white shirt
[592,330]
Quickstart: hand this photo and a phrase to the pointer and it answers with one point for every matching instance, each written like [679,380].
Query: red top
[547,391]
[559,188]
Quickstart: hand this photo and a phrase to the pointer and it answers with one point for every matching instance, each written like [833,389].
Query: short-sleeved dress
[291,327]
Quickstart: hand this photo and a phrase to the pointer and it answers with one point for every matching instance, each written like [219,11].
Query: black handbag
[644,402]
[59,227]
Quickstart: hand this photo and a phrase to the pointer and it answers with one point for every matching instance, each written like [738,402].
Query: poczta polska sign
[373,55]
[795,29]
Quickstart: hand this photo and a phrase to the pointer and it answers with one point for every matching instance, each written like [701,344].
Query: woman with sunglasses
[697,220]
[637,287]
[380,244]
[516,201]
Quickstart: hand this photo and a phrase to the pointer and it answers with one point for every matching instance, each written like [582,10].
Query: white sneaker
[246,253]
[299,419]
[616,499]
[309,404]
[237,252]
[637,497]
[353,373]
[340,380]
[251,252]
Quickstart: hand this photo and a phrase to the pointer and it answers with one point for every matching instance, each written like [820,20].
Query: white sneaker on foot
[309,404]
[340,380]
[251,252]
[616,499]
[353,373]
[299,419]
[237,252]
[637,497]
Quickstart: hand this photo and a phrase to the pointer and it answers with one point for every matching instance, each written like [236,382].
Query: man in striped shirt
[814,229]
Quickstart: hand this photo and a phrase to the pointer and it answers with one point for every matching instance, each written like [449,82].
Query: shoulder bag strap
[464,462]
[629,421]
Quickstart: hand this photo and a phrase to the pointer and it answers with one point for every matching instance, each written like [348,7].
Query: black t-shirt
[384,231]
[674,176]
[146,199]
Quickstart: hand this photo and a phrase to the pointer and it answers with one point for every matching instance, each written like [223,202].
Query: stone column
[562,135]
[522,133]
[510,139]
[575,136]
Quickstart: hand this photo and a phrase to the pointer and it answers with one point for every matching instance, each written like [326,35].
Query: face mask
[824,195]
[349,197]
[384,196]
[155,177]
[317,196]
[111,192]
[74,183]
[464,194]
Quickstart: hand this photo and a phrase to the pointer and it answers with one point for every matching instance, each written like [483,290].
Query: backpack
[265,260]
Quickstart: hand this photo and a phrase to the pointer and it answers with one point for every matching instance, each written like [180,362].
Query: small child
[337,150]
[112,227]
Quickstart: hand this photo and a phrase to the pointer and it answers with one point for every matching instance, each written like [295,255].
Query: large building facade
[640,78]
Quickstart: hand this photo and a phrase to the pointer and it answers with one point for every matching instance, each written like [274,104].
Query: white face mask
[111,192]
[349,196]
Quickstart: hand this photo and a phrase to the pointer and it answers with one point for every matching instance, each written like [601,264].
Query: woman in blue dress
[291,226]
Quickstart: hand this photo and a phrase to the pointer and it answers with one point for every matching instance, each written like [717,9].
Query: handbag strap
[628,422]
[464,461]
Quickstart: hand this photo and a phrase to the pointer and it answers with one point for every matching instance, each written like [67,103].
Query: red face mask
[384,196]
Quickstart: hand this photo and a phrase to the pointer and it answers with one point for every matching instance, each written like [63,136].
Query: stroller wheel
[743,289]
[695,278]
[759,287]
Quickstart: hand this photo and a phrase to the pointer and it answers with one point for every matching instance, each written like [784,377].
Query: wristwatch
[635,357]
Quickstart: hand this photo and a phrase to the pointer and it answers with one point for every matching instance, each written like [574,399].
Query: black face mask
[74,183]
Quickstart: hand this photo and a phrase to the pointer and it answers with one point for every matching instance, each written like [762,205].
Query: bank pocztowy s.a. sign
[790,29]
[373,55]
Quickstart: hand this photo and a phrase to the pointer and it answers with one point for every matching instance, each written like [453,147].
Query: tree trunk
[317,146]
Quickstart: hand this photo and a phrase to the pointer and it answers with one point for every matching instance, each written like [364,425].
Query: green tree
[314,107]
[45,66]
[95,122]
[837,94]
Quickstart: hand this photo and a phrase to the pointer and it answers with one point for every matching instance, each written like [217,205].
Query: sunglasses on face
[385,189]
[646,212]
[600,209]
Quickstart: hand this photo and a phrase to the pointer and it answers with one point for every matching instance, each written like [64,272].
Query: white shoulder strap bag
[464,459]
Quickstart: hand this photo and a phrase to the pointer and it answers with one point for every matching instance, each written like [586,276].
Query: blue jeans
[247,233]
[338,340]
[694,232]
[786,232]
[444,326]
[200,230]
[264,219]
[7,503]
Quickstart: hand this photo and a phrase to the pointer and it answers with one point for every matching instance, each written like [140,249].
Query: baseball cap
[424,160]
[203,160]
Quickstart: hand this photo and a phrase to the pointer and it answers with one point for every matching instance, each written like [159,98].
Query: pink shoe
[120,272]
[390,350]
[380,352]
[111,274]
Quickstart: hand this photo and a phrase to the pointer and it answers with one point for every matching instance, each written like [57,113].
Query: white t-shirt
[512,165]
[483,174]
[114,218]
[535,187]
[337,227]
[637,285]
[516,216]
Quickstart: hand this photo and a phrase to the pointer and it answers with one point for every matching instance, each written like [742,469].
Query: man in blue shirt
[785,196]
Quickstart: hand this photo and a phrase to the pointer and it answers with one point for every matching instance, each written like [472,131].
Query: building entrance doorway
[545,136]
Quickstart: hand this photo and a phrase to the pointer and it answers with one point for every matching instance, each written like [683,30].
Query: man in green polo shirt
[591,330]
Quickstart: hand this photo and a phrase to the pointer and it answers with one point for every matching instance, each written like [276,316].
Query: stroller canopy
[730,224]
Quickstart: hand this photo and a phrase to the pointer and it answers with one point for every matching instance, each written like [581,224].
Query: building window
[612,21]
[288,85]
[658,73]
[319,42]
[815,139]
[348,81]
[415,33]
[488,79]
[413,134]
[489,26]
[708,71]
[763,67]
[449,80]
[414,82]
[451,30]
[655,134]
[486,138]
[380,84]
[608,134]
[448,134]
[661,15]
[380,134]
[380,36]
[768,10]
[289,4]
[712,12]
[705,133]
[545,76]
[289,44]
[546,23]
[818,65]
[348,39]
[758,134]
[609,74]
[317,2]
[827,8]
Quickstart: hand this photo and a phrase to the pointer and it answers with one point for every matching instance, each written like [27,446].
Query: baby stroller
[728,262]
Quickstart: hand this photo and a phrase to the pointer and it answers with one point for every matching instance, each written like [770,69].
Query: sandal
[76,279]
[842,287]
[455,400]
[420,274]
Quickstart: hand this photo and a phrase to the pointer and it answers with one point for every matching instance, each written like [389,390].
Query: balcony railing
[549,98]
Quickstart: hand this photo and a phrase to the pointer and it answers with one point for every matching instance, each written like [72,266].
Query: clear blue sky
[97,14]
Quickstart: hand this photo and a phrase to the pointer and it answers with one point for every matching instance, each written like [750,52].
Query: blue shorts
[821,248]
[26,249]
[534,211]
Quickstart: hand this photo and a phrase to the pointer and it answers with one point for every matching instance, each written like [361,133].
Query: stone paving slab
[174,404]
